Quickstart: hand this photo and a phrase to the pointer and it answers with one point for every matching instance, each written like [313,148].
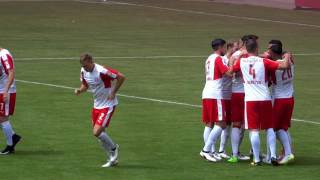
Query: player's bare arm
[83,88]
[120,79]
[11,75]
[285,64]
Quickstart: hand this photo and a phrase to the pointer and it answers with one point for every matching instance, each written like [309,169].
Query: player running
[213,104]
[7,99]
[258,106]
[98,79]
[282,93]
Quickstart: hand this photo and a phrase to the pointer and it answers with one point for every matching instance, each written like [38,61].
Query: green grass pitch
[157,140]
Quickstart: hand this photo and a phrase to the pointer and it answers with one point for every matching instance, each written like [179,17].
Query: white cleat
[243,157]
[207,156]
[110,164]
[216,156]
[287,159]
[114,154]
[224,155]
[266,160]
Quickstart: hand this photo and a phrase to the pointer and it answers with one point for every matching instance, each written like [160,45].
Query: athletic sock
[106,142]
[290,139]
[224,138]
[271,140]
[8,132]
[255,143]
[206,133]
[284,139]
[235,139]
[213,136]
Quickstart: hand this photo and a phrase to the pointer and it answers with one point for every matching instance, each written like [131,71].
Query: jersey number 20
[286,74]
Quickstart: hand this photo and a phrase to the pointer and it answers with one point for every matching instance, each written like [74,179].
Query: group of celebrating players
[248,91]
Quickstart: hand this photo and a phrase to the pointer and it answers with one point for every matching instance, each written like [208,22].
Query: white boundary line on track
[200,13]
[134,57]
[143,98]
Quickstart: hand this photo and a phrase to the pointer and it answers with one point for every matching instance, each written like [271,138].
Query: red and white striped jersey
[6,65]
[282,80]
[237,81]
[214,69]
[256,73]
[99,82]
[226,82]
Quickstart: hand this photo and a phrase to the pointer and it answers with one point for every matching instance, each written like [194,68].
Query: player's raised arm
[120,79]
[285,64]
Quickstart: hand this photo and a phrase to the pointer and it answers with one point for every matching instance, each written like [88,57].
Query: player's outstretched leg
[11,137]
[108,145]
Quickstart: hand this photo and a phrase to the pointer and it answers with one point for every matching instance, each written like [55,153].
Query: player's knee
[3,119]
[236,125]
[210,124]
[96,132]
[222,124]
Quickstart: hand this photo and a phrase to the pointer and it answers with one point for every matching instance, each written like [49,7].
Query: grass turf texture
[157,141]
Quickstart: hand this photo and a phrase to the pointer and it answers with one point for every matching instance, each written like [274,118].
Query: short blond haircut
[85,57]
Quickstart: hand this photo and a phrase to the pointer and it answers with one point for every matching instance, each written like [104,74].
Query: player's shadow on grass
[37,152]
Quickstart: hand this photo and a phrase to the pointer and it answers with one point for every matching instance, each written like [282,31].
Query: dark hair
[277,42]
[245,38]
[85,57]
[276,48]
[217,43]
[251,45]
[252,36]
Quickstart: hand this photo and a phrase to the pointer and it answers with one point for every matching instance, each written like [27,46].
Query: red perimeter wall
[308,3]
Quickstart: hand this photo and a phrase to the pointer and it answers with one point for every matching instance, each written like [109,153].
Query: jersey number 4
[252,71]
[286,74]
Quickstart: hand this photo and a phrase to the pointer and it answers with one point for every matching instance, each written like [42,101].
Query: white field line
[134,57]
[201,13]
[144,98]
[108,57]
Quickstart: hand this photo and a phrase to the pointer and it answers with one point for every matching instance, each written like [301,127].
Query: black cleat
[7,150]
[15,139]
[274,161]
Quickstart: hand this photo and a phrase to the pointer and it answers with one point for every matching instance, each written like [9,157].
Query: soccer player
[237,104]
[258,106]
[213,104]
[7,99]
[226,93]
[282,93]
[98,79]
